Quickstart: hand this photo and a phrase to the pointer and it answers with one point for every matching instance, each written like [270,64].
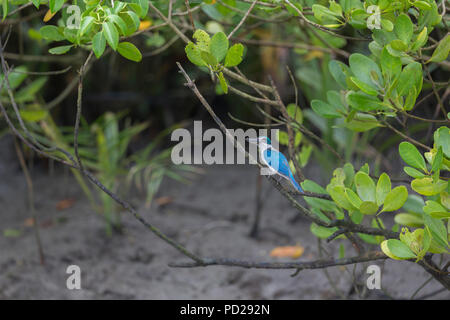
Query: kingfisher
[274,160]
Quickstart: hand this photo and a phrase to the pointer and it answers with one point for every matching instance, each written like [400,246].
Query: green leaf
[426,243]
[435,210]
[234,55]
[322,232]
[202,40]
[441,51]
[395,199]
[356,216]
[129,51]
[70,34]
[353,198]
[365,187]
[427,187]
[412,239]
[387,25]
[421,40]
[304,155]
[86,23]
[209,58]
[55,5]
[219,46]
[132,20]
[365,168]
[194,56]
[414,203]
[434,246]
[341,251]
[36,3]
[397,250]
[375,48]
[16,77]
[295,112]
[408,219]
[363,102]
[390,65]
[442,139]
[28,93]
[324,109]
[338,177]
[60,50]
[411,77]
[223,82]
[339,196]
[445,199]
[336,8]
[283,138]
[311,186]
[410,154]
[437,162]
[403,28]
[144,7]
[339,72]
[368,238]
[119,22]
[51,33]
[111,34]
[422,5]
[413,172]
[99,44]
[383,188]
[368,207]
[396,48]
[323,13]
[437,229]
[349,171]
[33,115]
[364,87]
[363,68]
[11,233]
[362,122]
[292,11]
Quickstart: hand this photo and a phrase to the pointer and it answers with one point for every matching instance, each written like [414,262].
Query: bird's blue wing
[278,162]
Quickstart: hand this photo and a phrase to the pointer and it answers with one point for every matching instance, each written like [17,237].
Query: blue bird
[274,160]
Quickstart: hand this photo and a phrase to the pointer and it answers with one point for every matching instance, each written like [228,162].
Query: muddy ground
[212,216]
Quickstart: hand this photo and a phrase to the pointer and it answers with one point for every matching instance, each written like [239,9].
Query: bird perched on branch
[274,160]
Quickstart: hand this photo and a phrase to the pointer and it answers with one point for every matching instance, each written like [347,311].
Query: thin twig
[242,20]
[30,201]
[318,264]
[191,19]
[404,136]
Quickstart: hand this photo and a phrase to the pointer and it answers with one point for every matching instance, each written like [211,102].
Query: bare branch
[318,264]
[242,20]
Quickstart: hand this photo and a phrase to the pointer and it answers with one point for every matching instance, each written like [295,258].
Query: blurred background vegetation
[130,108]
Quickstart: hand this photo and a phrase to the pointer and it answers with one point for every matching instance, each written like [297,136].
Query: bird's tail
[294,183]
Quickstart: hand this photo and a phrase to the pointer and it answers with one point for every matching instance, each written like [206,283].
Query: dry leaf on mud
[287,252]
[65,204]
[29,222]
[163,201]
